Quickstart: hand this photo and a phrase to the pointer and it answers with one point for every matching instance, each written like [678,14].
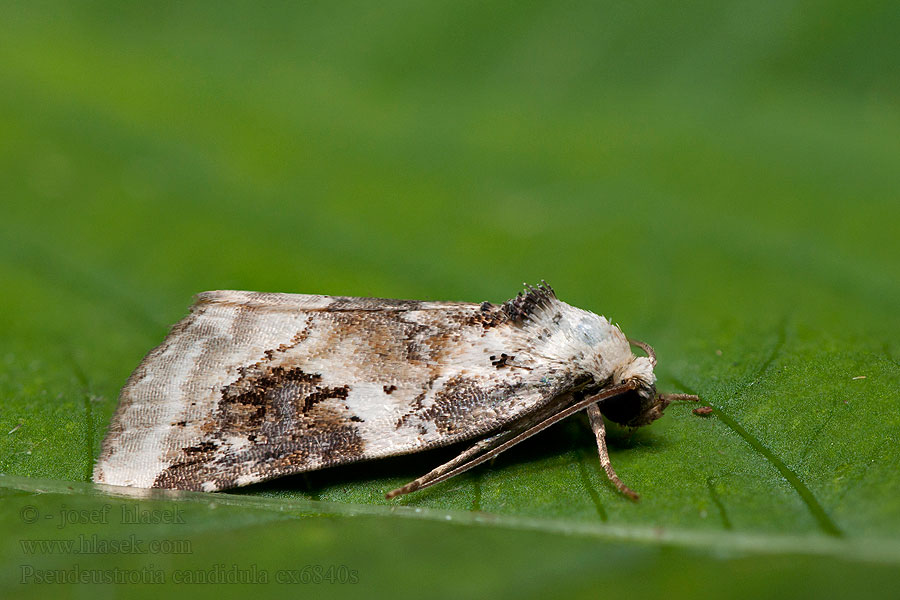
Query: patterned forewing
[253,386]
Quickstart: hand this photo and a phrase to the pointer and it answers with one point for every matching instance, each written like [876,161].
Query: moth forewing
[252,386]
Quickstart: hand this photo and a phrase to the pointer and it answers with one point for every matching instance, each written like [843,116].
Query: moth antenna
[646,348]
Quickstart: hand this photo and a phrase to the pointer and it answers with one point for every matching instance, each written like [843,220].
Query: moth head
[641,405]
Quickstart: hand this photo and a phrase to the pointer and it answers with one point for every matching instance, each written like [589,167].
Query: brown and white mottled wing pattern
[251,386]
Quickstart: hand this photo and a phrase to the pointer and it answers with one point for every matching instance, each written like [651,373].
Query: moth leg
[599,428]
[669,398]
[492,446]
[428,479]
[458,464]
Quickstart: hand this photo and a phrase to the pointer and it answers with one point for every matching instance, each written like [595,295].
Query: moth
[251,386]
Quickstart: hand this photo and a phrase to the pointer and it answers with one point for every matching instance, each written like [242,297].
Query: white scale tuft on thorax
[589,342]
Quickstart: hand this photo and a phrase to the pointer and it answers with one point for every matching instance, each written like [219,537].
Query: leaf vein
[714,495]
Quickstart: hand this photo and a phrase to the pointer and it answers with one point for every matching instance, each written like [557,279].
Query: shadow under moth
[251,386]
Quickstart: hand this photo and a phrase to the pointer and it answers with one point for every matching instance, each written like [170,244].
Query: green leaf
[719,179]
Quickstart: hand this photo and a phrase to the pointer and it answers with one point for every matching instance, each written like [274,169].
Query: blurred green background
[720,178]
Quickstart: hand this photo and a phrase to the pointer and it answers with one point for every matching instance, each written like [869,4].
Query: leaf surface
[720,180]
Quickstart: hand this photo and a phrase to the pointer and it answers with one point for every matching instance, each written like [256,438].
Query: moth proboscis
[251,386]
